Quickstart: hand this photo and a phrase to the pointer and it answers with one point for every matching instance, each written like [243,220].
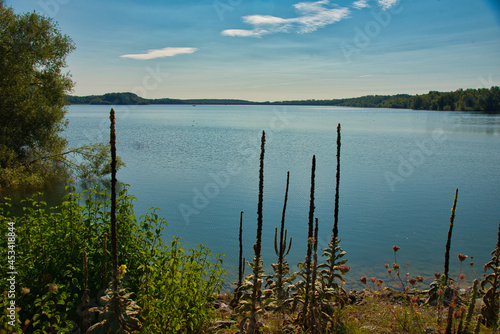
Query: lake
[399,171]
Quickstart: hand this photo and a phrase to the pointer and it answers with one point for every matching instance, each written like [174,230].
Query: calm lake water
[399,172]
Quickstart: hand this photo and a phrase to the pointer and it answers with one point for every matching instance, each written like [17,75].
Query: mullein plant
[105,256]
[310,237]
[440,292]
[322,311]
[326,292]
[332,294]
[250,305]
[442,296]
[334,267]
[313,312]
[280,281]
[241,268]
[465,314]
[459,320]
[302,289]
[448,241]
[491,297]
[119,313]
[85,302]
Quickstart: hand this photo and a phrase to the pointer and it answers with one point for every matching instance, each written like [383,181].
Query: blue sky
[264,50]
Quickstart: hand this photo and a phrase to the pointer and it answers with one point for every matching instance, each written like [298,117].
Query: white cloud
[386,4]
[165,52]
[360,4]
[312,16]
[310,7]
[243,33]
[264,19]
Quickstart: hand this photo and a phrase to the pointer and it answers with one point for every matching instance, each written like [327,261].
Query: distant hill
[110,98]
[483,99]
[133,99]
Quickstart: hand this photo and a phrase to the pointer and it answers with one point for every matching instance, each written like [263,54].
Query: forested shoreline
[482,99]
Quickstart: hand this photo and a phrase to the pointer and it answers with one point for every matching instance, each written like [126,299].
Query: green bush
[49,247]
[178,289]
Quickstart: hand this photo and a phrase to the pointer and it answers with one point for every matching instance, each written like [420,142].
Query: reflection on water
[52,194]
[478,123]
[200,167]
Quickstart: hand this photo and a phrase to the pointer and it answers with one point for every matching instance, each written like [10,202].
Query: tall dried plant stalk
[241,267]
[257,280]
[282,250]
[491,306]
[104,278]
[312,316]
[448,241]
[310,239]
[335,230]
[337,186]
[282,235]
[85,302]
[114,238]
[241,264]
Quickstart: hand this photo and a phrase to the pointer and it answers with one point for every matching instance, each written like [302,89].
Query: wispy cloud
[360,4]
[160,53]
[386,4]
[243,33]
[311,17]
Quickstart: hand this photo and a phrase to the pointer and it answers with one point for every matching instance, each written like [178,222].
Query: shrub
[49,246]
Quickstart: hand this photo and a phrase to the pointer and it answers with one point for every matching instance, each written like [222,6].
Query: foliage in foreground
[57,291]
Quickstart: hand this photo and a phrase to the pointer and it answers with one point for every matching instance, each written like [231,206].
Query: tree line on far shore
[134,99]
[481,99]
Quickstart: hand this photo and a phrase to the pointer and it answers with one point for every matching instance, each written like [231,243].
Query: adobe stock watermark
[249,150]
[150,82]
[52,7]
[425,148]
[223,6]
[11,274]
[363,37]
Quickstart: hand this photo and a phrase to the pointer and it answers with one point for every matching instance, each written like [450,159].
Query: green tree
[33,89]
